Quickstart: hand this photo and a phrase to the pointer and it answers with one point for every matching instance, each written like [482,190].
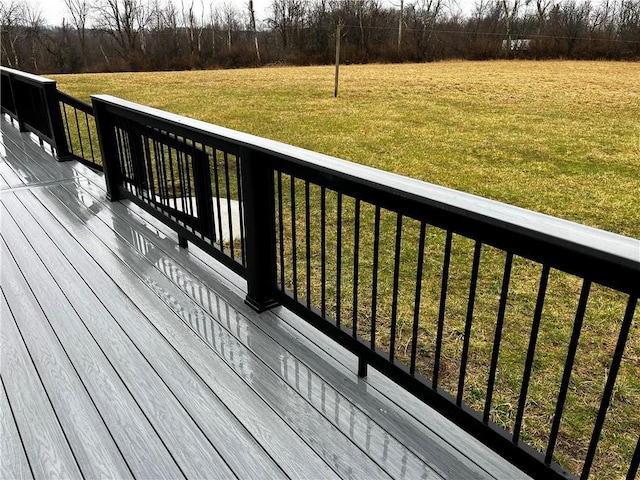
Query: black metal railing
[80,130]
[32,101]
[188,180]
[517,326]
[430,286]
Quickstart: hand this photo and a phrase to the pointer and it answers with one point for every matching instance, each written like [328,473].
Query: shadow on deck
[124,355]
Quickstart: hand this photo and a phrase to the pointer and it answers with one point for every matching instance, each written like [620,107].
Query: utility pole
[400,22]
[338,27]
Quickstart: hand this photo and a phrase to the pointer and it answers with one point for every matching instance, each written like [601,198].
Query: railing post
[259,218]
[16,103]
[108,150]
[55,121]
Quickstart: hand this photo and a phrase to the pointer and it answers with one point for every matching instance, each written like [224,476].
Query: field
[562,138]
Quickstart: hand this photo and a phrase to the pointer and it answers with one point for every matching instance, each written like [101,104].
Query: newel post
[108,149]
[58,134]
[259,218]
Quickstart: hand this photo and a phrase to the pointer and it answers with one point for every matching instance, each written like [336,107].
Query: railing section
[492,314]
[190,180]
[33,102]
[80,130]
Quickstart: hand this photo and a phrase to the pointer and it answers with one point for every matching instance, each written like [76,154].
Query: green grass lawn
[562,138]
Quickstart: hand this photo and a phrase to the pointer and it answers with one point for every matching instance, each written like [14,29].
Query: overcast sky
[54,11]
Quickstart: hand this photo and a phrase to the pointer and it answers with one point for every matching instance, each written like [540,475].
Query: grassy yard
[562,138]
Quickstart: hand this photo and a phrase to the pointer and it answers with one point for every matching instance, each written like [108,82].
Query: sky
[53,11]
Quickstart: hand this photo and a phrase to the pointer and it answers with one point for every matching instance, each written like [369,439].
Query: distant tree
[252,25]
[424,15]
[12,15]
[510,11]
[122,21]
[80,11]
[34,26]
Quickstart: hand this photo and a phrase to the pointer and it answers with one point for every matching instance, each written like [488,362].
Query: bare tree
[121,20]
[230,21]
[191,24]
[252,24]
[424,15]
[33,24]
[80,11]
[11,20]
[543,7]
[510,11]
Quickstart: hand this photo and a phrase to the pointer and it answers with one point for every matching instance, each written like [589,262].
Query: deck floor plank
[143,451]
[91,442]
[195,455]
[321,435]
[13,458]
[44,440]
[28,169]
[282,443]
[3,183]
[212,417]
[9,176]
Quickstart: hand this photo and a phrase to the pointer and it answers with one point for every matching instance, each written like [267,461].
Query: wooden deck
[126,356]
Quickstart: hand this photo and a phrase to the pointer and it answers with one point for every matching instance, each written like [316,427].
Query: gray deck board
[213,419]
[195,455]
[3,183]
[87,434]
[44,440]
[144,452]
[9,176]
[304,420]
[14,459]
[129,356]
[282,443]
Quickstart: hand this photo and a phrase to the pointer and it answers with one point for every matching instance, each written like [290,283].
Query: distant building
[519,44]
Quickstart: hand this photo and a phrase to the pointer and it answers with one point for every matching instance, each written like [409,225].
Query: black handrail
[298,206]
[32,101]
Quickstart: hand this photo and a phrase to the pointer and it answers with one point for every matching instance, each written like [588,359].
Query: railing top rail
[26,76]
[588,241]
[75,102]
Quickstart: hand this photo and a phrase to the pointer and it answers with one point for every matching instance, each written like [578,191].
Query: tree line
[116,35]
